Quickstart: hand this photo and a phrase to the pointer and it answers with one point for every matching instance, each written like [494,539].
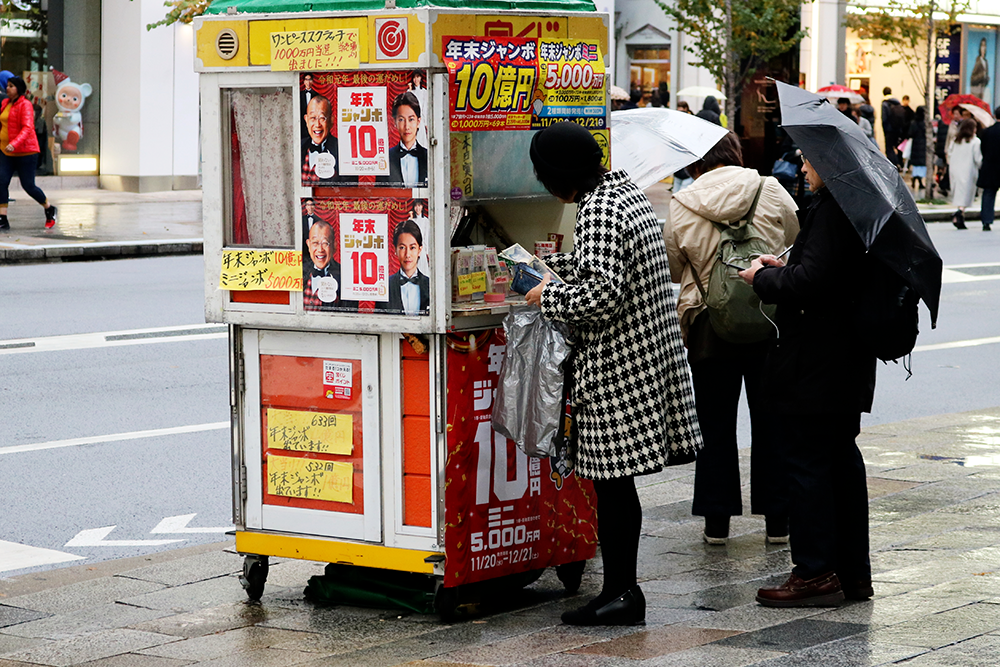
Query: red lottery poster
[504,512]
[363,128]
[365,255]
[491,81]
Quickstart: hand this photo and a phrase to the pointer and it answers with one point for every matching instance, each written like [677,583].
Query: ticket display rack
[344,154]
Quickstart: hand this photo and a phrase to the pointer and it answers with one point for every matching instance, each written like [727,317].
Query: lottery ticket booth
[346,154]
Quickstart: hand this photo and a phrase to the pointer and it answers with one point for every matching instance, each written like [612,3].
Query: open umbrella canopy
[952,101]
[867,187]
[651,143]
[702,91]
[984,117]
[835,92]
[618,93]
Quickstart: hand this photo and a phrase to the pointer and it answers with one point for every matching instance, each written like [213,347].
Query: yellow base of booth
[331,551]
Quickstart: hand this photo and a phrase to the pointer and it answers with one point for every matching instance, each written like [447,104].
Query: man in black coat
[820,379]
[989,173]
[892,125]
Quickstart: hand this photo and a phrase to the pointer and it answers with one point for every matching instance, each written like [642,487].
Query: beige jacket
[722,195]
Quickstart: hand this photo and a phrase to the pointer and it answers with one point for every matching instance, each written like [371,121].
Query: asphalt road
[62,493]
[53,485]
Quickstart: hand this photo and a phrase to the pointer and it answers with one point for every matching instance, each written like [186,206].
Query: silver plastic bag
[530,401]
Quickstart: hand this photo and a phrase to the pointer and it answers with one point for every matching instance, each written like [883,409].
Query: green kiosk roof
[267,6]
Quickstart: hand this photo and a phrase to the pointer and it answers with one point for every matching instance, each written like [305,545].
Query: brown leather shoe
[823,591]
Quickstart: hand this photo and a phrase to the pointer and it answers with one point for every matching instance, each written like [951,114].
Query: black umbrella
[867,187]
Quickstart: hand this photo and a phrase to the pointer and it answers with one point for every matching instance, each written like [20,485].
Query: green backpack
[734,309]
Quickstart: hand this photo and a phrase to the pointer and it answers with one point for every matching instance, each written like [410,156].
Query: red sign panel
[505,513]
[491,82]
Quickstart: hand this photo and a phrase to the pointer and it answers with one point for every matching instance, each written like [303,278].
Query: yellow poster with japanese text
[295,477]
[571,84]
[315,50]
[302,431]
[273,270]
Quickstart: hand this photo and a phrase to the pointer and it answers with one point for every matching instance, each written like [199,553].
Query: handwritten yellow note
[315,50]
[273,270]
[309,478]
[303,431]
[472,283]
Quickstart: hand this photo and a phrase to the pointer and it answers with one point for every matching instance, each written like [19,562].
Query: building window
[649,70]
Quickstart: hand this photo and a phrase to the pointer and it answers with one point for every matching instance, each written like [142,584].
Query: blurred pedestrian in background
[19,146]
[989,173]
[964,160]
[918,148]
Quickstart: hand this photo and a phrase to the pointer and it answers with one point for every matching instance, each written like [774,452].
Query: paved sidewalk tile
[935,539]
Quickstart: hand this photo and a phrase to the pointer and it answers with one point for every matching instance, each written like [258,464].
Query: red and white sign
[337,374]
[363,131]
[391,39]
[364,256]
[504,512]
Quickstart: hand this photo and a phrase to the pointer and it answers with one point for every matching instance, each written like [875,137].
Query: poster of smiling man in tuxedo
[363,129]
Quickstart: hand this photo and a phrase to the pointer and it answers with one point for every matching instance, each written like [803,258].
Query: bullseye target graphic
[391,39]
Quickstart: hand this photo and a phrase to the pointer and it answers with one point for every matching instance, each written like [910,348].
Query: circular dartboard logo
[390,39]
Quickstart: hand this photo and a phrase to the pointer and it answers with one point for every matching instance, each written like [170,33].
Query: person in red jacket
[19,150]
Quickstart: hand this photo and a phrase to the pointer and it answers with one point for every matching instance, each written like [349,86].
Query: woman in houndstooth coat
[632,394]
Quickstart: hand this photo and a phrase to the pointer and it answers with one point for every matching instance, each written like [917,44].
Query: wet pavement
[934,487]
[96,223]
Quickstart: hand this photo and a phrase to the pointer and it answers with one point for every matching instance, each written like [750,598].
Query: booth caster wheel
[571,575]
[254,576]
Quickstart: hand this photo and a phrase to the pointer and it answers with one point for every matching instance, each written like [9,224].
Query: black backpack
[886,316]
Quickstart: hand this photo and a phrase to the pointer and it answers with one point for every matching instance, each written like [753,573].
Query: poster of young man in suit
[364,129]
[362,256]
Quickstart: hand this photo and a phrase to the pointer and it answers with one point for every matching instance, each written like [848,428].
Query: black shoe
[958,220]
[716,530]
[50,217]
[858,589]
[986,228]
[4,224]
[777,529]
[629,608]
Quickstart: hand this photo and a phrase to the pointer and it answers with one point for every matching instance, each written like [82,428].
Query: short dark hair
[996,112]
[728,152]
[407,99]
[408,227]
[419,202]
[966,130]
[887,91]
[563,184]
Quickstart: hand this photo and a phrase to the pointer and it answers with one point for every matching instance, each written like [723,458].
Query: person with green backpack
[729,215]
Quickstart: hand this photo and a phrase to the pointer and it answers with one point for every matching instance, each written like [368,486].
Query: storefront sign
[296,477]
[571,84]
[504,512]
[315,50]
[362,122]
[948,70]
[492,82]
[273,270]
[302,431]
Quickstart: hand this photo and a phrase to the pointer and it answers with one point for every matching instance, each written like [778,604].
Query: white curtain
[266,134]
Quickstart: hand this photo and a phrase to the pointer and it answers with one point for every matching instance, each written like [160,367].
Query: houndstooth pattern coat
[635,407]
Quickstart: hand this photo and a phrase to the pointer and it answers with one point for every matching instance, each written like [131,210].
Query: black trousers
[828,496]
[619,522]
[718,382]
